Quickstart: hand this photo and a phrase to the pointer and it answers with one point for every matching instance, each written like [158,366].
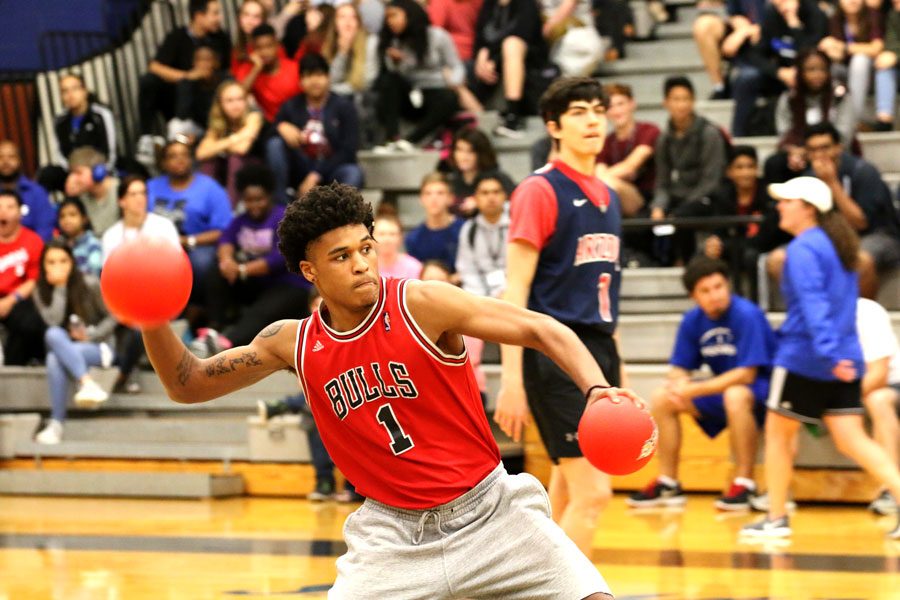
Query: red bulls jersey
[400,418]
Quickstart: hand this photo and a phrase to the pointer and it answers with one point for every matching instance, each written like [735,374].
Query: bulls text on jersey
[354,387]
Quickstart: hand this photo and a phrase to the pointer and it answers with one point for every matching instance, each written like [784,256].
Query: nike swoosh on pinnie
[580,202]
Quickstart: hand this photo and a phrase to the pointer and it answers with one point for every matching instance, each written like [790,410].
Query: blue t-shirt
[435,244]
[742,337]
[820,328]
[202,206]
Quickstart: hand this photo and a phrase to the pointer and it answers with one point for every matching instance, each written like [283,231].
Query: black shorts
[808,400]
[555,401]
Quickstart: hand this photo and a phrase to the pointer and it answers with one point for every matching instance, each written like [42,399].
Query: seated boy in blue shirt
[732,337]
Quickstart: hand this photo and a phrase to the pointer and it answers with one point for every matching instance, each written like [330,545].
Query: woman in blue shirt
[819,362]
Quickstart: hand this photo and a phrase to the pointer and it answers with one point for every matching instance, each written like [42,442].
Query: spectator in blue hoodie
[37,212]
[819,361]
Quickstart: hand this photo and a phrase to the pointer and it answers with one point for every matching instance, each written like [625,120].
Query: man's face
[742,171]
[582,127]
[211,20]
[10,161]
[712,295]
[680,103]
[435,198]
[79,181]
[74,95]
[10,215]
[267,48]
[343,265]
[177,161]
[822,146]
[315,84]
[489,197]
[621,109]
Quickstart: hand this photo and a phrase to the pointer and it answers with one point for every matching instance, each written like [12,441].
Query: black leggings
[438,106]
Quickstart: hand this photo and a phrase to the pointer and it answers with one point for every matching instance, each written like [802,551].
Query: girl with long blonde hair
[231,136]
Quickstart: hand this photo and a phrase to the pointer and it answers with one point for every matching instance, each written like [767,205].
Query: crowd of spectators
[231,133]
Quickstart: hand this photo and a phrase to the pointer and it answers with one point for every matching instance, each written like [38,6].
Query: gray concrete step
[190,427]
[136,450]
[120,484]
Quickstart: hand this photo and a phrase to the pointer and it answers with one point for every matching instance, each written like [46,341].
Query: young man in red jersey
[386,375]
[563,261]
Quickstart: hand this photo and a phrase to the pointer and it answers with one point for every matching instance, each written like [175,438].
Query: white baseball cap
[809,189]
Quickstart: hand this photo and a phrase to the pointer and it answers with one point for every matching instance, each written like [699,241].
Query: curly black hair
[255,175]
[322,209]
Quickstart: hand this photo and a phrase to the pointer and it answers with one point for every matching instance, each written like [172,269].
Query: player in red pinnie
[389,383]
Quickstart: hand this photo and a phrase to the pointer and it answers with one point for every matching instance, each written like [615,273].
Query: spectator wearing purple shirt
[251,286]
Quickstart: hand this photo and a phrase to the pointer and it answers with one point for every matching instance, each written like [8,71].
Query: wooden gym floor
[98,549]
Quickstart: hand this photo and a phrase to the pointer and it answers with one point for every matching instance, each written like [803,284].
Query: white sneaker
[395,147]
[90,395]
[760,503]
[768,528]
[404,146]
[51,434]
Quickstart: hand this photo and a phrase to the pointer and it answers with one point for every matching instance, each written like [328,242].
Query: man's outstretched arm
[190,380]
[440,308]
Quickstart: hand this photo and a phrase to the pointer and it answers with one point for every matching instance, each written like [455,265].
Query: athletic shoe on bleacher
[884,504]
[90,395]
[657,494]
[51,434]
[146,150]
[395,147]
[768,528]
[737,498]
[324,491]
[760,503]
[208,342]
[512,127]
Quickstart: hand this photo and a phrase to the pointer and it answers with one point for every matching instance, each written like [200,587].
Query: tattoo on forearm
[185,366]
[223,365]
[271,330]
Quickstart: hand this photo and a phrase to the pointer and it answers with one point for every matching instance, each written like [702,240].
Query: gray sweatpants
[495,541]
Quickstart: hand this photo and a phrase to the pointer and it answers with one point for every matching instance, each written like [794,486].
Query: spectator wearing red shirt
[274,77]
[20,254]
[626,162]
[458,18]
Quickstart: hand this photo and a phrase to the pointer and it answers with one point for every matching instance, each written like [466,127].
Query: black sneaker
[737,498]
[768,528]
[657,494]
[720,94]
[267,410]
[324,491]
[513,126]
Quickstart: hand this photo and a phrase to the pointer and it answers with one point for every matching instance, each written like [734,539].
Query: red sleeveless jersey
[400,418]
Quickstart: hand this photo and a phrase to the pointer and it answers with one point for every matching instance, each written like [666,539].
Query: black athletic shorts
[808,400]
[555,401]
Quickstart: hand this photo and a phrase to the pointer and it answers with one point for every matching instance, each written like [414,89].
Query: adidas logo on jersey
[318,346]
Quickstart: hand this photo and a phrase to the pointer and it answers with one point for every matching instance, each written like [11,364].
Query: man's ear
[554,130]
[308,271]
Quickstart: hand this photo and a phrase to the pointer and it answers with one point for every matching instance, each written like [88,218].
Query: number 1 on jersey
[400,442]
[603,297]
